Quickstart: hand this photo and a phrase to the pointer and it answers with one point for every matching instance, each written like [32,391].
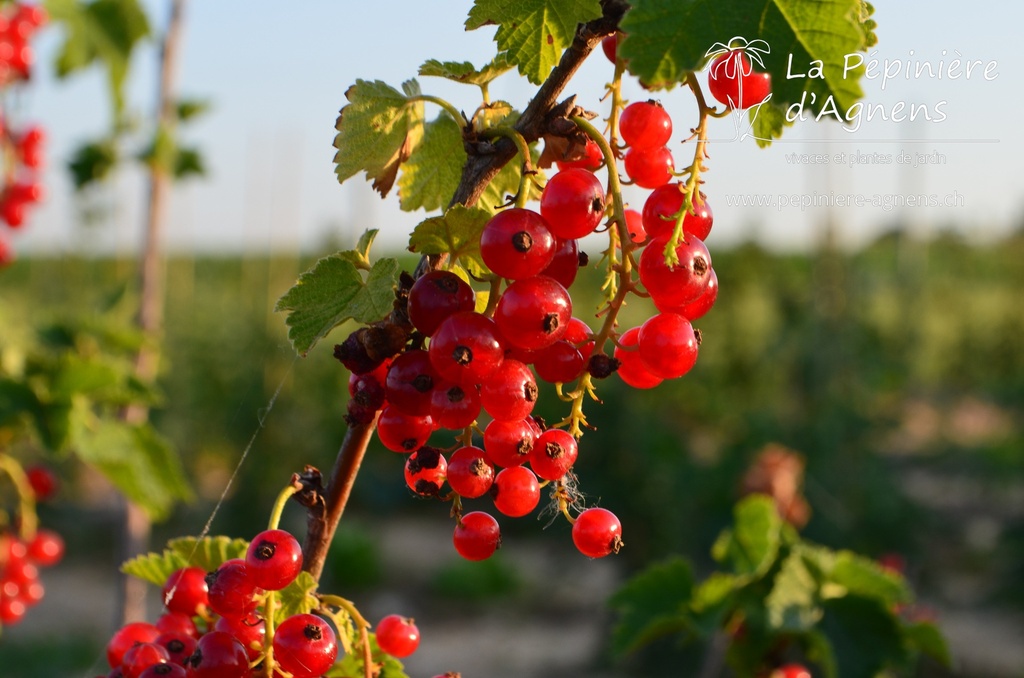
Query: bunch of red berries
[228,623]
[21,149]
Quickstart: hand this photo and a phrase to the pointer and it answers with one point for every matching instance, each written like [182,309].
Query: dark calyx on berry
[522,241]
[602,366]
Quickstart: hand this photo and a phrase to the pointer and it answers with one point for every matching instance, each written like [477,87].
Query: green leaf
[865,635]
[188,162]
[74,375]
[506,184]
[495,114]
[208,553]
[753,543]
[102,31]
[926,637]
[767,123]
[651,605]
[92,162]
[792,604]
[154,568]
[465,72]
[17,399]
[865,577]
[139,462]
[332,292]
[456,233]
[189,109]
[297,597]
[818,649]
[351,665]
[377,131]
[433,171]
[534,33]
[667,39]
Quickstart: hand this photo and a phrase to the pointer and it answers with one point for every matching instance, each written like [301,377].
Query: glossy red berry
[510,392]
[401,432]
[168,670]
[273,559]
[410,382]
[43,480]
[573,203]
[560,362]
[702,304]
[425,471]
[733,81]
[681,283]
[305,646]
[470,473]
[477,536]
[249,630]
[397,635]
[609,45]
[437,295]
[466,348]
[128,636]
[140,657]
[553,454]
[632,368]
[534,312]
[668,345]
[176,623]
[517,243]
[635,226]
[592,158]
[179,646]
[508,443]
[454,407]
[218,655]
[567,262]
[516,491]
[233,593]
[791,671]
[665,202]
[597,533]
[46,548]
[649,167]
[645,125]
[186,591]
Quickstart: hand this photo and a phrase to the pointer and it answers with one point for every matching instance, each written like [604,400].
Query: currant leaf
[534,33]
[792,605]
[154,568]
[297,597]
[432,173]
[652,604]
[495,114]
[927,638]
[465,72]
[209,553]
[752,544]
[865,577]
[767,123]
[457,233]
[377,131]
[360,256]
[334,291]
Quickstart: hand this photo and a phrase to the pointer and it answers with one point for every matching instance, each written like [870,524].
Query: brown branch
[324,508]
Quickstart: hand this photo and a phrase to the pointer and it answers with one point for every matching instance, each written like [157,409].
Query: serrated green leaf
[332,292]
[456,233]
[753,543]
[926,637]
[377,131]
[105,31]
[351,665]
[360,256]
[465,72]
[154,568]
[652,604]
[666,39]
[865,577]
[767,123]
[792,604]
[433,171]
[534,33]
[297,597]
[495,114]
[208,553]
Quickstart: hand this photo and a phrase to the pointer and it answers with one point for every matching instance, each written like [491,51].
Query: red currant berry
[609,45]
[454,407]
[186,591]
[466,348]
[232,593]
[129,635]
[668,345]
[580,335]
[477,536]
[43,481]
[671,286]
[573,203]
[553,454]
[425,471]
[410,382]
[664,204]
[470,474]
[140,657]
[517,243]
[176,623]
[534,312]
[273,559]
[635,226]
[510,392]
[437,295]
[791,671]
[702,304]
[12,610]
[516,491]
[597,533]
[305,646]
[397,635]
[508,443]
[218,655]
[645,125]
[169,670]
[366,391]
[632,368]
[567,262]
[249,630]
[591,159]
[559,363]
[179,646]
[650,167]
[401,432]
[46,548]
[734,83]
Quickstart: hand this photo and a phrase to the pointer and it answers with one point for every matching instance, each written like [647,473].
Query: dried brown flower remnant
[779,472]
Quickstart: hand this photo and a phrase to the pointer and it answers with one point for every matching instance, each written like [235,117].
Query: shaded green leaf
[534,33]
[332,292]
[456,233]
[465,72]
[865,636]
[767,123]
[818,649]
[92,162]
[928,639]
[652,604]
[154,568]
[297,597]
[377,131]
[865,577]
[792,604]
[188,162]
[495,114]
[189,109]
[752,545]
[433,171]
[208,553]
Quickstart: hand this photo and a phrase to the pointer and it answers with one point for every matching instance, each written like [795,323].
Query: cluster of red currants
[22,554]
[22,150]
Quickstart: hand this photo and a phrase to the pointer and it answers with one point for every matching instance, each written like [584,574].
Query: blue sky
[276,74]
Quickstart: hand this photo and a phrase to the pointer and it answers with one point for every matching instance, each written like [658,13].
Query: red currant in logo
[734,83]
[398,635]
[597,533]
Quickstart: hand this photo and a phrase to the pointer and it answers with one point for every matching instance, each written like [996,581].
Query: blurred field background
[897,371]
